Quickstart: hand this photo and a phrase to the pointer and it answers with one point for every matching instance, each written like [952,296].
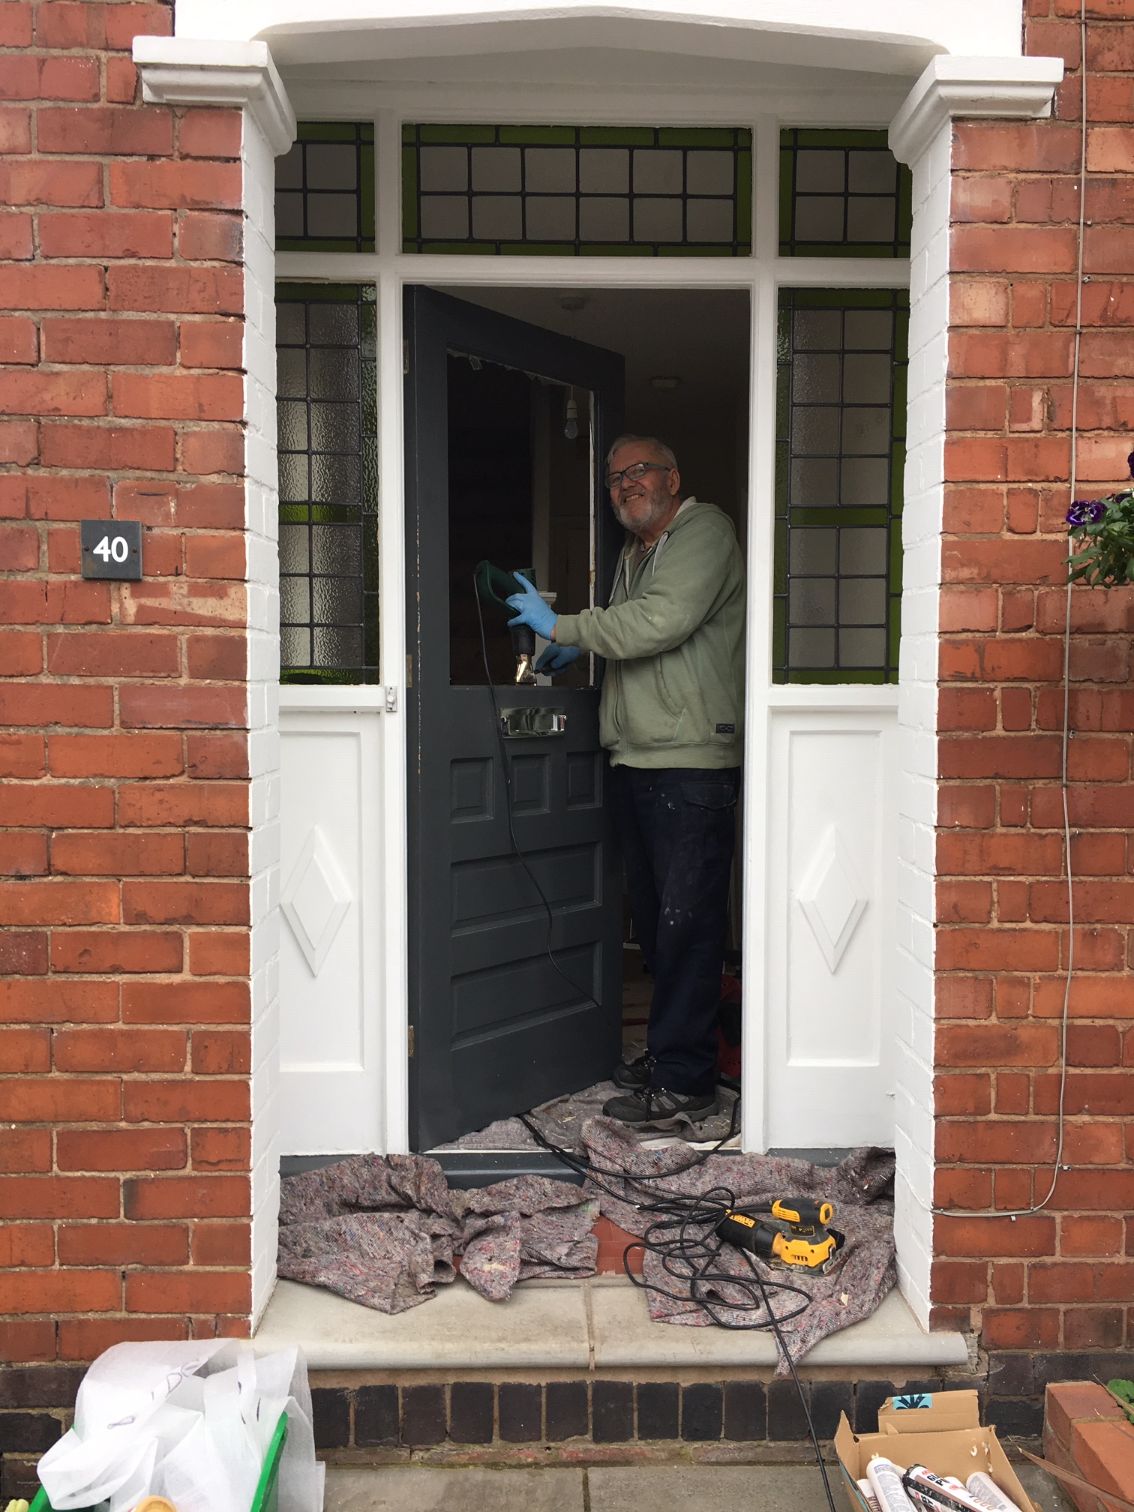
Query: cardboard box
[942,1432]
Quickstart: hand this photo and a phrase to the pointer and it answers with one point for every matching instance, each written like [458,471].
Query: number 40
[112,548]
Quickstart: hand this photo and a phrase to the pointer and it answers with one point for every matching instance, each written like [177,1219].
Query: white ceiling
[699,336]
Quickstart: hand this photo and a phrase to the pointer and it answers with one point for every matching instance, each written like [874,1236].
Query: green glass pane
[616,136]
[703,136]
[465,135]
[538,135]
[806,137]
[831,675]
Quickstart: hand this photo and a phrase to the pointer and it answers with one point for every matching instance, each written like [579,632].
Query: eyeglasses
[632,473]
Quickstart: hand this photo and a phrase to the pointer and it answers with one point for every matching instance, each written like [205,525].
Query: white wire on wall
[1065,1017]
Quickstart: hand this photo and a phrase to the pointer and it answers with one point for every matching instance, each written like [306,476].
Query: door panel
[330,945]
[831,922]
[506,1012]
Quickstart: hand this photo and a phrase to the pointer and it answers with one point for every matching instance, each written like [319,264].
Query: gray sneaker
[657,1107]
[633,1074]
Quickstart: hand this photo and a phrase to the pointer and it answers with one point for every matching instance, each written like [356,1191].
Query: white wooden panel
[330,932]
[830,908]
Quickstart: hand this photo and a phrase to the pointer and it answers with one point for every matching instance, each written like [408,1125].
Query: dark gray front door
[513,999]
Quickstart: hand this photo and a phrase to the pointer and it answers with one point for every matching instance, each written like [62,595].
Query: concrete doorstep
[624,1488]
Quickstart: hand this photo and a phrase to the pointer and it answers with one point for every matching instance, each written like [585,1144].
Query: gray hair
[660,450]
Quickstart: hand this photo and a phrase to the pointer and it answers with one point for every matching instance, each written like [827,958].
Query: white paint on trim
[176,71]
[870,33]
[952,87]
[261,541]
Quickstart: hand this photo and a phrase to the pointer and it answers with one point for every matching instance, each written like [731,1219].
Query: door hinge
[409,671]
[391,700]
[410,1043]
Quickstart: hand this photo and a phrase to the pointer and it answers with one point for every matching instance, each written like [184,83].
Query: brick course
[123,722]
[1002,906]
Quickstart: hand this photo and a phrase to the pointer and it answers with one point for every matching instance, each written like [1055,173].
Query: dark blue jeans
[678,830]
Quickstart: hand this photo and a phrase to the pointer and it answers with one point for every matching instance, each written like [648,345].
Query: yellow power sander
[792,1233]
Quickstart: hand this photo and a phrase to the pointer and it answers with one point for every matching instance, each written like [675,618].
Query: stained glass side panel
[840,455]
[577,190]
[326,337]
[842,194]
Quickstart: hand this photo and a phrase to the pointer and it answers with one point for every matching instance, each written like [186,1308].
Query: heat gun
[493,585]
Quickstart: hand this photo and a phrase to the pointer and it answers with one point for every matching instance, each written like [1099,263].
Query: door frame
[761,275]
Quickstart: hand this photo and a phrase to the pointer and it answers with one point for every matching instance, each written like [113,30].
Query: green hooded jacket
[673,639]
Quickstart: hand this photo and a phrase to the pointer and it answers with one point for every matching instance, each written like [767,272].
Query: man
[670,715]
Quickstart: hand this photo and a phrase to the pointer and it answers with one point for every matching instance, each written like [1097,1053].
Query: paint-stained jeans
[678,830]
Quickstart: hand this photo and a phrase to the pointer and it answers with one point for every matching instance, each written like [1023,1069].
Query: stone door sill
[593,1325]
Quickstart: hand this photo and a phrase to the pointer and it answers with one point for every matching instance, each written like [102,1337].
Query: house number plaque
[111,548]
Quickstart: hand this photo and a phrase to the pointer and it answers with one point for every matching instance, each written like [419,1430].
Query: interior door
[512,999]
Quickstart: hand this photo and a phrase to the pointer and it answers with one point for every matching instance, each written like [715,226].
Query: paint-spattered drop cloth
[386,1230]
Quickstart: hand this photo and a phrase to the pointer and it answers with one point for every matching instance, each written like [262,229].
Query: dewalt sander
[792,1232]
[493,585]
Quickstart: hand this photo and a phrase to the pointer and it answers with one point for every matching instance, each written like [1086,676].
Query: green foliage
[1102,539]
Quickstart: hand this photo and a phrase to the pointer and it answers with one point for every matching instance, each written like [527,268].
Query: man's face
[644,505]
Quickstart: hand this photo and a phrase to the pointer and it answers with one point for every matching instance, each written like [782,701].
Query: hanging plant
[1103,532]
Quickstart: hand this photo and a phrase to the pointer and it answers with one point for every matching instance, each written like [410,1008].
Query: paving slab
[723,1488]
[629,1488]
[417,1488]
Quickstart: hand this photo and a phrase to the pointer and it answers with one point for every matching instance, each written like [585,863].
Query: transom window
[842,194]
[577,190]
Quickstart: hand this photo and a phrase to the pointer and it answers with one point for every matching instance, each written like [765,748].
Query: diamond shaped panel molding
[316,899]
[832,897]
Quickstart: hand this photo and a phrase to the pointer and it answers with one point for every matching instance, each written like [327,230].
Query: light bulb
[571,420]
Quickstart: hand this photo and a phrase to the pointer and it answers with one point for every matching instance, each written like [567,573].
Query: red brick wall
[1064,1278]
[124,1003]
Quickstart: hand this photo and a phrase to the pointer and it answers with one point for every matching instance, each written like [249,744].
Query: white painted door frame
[761,275]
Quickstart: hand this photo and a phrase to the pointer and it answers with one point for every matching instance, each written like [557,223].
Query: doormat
[385,1231]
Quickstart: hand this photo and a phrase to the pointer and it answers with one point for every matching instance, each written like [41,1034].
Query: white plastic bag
[191,1422]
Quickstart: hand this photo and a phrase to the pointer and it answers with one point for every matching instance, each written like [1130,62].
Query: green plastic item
[267,1490]
[493,584]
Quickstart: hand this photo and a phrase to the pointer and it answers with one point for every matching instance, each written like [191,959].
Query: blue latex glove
[533,611]
[557,658]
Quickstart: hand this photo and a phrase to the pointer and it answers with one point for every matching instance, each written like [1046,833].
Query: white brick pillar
[179,72]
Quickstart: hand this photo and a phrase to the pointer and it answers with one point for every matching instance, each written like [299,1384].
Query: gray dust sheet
[386,1230]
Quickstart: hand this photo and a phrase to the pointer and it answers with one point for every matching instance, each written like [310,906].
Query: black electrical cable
[686,1257]
[685,1239]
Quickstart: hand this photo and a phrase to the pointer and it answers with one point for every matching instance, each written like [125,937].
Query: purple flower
[1086,512]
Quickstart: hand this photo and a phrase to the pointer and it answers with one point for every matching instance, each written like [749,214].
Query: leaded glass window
[842,194]
[577,190]
[328,460]
[325,189]
[840,453]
